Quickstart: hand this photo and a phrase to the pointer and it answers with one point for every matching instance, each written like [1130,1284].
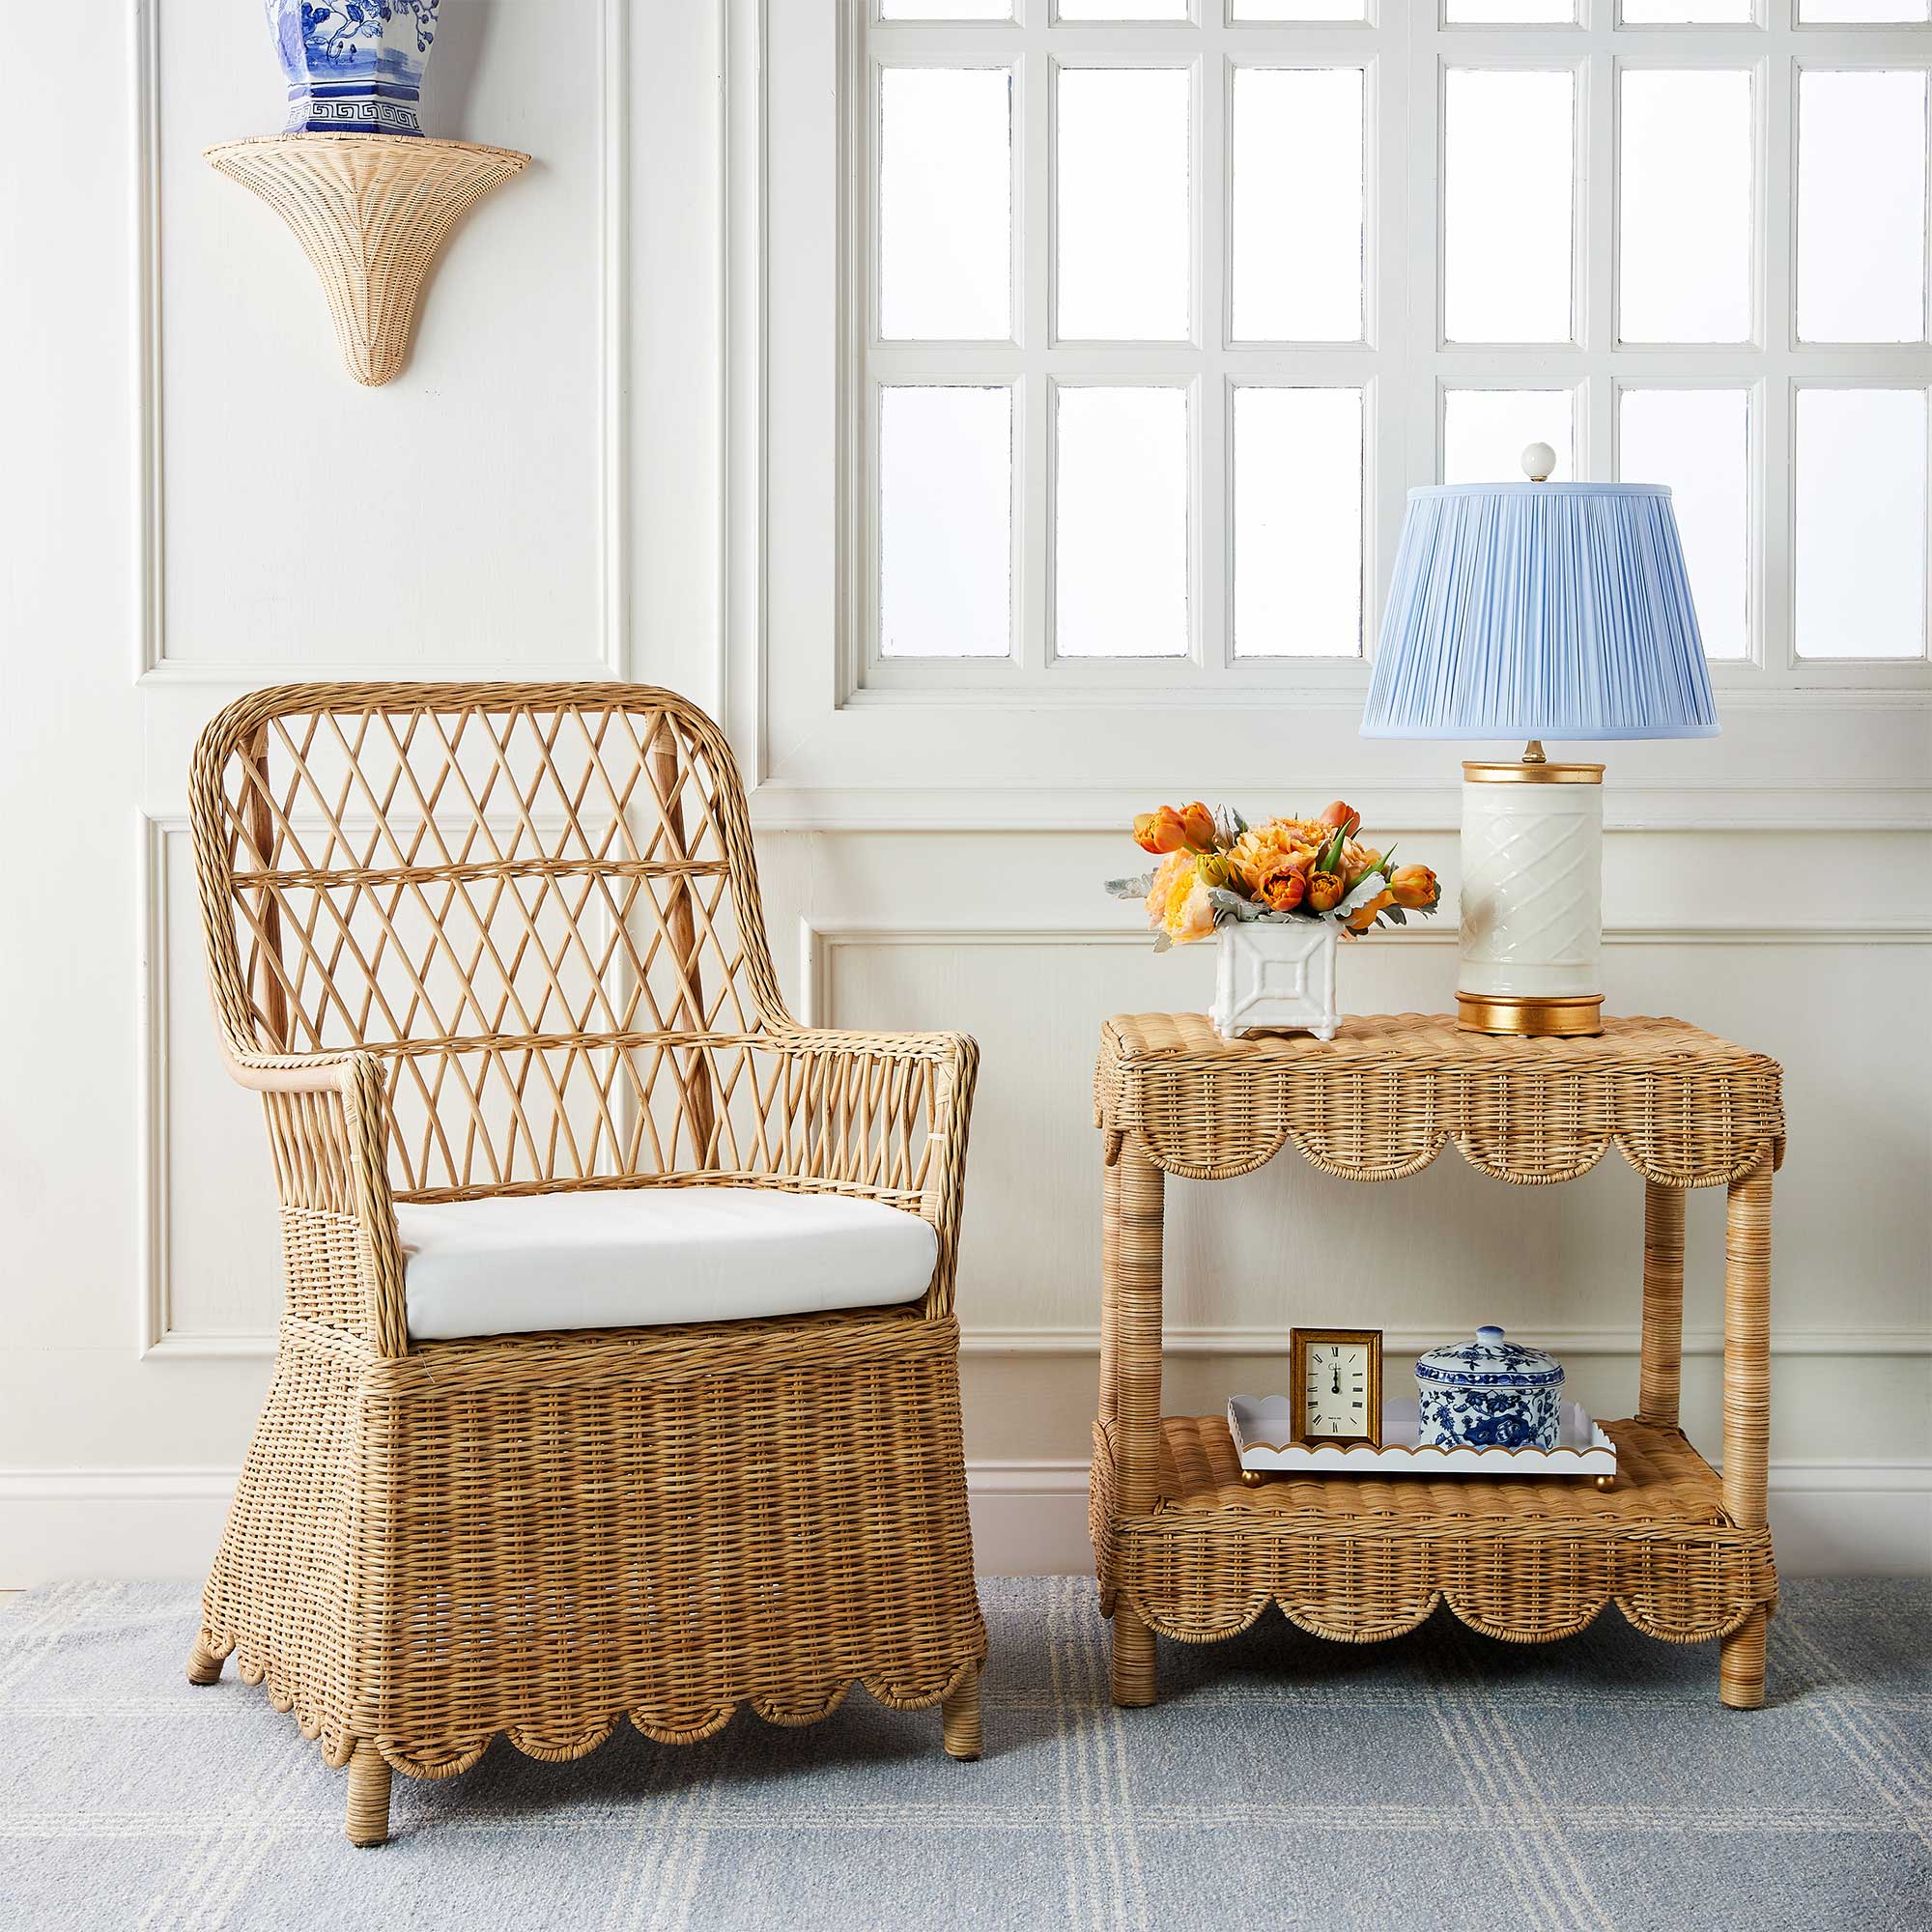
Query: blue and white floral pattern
[354,67]
[1488,1394]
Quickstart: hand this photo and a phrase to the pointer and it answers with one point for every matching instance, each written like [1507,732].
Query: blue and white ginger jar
[1488,1394]
[354,67]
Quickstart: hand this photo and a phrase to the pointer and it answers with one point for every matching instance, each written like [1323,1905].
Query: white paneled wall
[567,477]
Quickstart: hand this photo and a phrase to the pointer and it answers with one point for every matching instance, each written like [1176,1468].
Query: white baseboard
[1840,1519]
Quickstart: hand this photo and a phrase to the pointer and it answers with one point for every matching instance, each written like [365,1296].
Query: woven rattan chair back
[538,904]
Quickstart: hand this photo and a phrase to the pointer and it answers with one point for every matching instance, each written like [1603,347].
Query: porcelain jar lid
[1488,1362]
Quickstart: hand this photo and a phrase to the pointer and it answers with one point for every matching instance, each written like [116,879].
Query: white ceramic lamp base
[1532,898]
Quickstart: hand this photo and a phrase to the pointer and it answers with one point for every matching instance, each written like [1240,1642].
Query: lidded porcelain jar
[1488,1394]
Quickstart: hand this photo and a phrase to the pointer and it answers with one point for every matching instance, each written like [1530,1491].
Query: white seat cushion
[637,1257]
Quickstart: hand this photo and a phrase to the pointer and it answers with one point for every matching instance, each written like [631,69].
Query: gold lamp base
[1573,1015]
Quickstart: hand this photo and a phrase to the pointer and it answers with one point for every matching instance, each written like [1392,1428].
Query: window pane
[1121,10]
[944,203]
[1123,218]
[1484,13]
[1298,205]
[1297,523]
[1300,9]
[1859,13]
[1699,441]
[946,10]
[1121,523]
[1862,207]
[1687,13]
[946,521]
[1686,215]
[1861,523]
[1506,209]
[1485,433]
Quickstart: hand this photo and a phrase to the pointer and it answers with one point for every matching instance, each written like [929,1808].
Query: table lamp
[1537,611]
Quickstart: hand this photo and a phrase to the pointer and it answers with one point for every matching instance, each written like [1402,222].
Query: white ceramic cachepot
[1275,976]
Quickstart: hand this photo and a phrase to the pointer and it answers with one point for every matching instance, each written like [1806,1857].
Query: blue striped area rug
[1440,1782]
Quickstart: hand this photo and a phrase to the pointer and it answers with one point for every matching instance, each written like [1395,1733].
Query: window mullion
[1213,547]
[1032,466]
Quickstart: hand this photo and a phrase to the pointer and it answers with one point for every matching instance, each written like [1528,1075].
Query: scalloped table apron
[1183,1548]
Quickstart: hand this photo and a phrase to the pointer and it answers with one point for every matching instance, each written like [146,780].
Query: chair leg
[961,1712]
[203,1668]
[368,1822]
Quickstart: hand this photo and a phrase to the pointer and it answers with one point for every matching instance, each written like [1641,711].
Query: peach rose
[1282,889]
[1358,863]
[1415,886]
[1325,891]
[1264,848]
[1160,890]
[1189,914]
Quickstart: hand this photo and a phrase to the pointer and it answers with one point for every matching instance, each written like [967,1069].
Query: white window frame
[828,713]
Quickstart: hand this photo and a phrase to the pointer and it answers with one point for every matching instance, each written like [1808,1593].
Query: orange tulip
[1325,891]
[1160,831]
[1281,889]
[1336,814]
[1415,886]
[1168,830]
[1364,914]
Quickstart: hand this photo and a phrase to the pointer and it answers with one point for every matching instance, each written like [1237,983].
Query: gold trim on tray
[1570,1014]
[1479,771]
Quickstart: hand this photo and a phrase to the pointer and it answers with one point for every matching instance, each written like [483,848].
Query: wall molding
[152,664]
[1848,1517]
[1407,809]
[820,937]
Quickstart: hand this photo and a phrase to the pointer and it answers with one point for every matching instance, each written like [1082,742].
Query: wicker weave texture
[1360,1559]
[1380,1101]
[1183,1548]
[372,212]
[470,940]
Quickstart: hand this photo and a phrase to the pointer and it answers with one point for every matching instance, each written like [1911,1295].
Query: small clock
[1338,1385]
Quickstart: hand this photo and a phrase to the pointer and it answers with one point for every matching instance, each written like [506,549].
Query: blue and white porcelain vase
[354,67]
[1488,1394]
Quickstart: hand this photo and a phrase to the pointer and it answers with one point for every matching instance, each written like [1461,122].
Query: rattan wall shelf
[1183,1548]
[372,212]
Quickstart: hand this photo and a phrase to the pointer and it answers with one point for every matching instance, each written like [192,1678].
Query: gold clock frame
[1299,1342]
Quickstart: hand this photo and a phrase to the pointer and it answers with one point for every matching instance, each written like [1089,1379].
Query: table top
[1377,1101]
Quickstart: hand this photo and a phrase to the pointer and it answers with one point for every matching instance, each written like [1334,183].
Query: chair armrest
[328,1131]
[887,1111]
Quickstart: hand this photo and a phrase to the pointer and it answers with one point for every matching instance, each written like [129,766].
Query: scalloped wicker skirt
[1363,1558]
[543,1535]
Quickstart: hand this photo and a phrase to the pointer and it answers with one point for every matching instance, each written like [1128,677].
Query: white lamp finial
[1538,460]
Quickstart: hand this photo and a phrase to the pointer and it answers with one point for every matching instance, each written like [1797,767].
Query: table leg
[1661,1371]
[1747,1408]
[1135,1335]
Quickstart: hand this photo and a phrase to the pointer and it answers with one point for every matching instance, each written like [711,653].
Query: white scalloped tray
[1263,1428]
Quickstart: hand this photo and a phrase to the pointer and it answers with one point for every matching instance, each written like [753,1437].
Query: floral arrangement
[1215,869]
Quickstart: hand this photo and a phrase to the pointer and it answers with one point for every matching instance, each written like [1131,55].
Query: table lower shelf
[1362,1558]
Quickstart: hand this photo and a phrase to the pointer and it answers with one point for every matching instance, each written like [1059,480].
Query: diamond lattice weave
[1441,1781]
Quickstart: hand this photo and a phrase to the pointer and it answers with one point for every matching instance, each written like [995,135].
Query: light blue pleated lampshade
[1540,611]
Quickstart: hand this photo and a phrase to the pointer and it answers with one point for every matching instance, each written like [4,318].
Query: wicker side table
[1185,1549]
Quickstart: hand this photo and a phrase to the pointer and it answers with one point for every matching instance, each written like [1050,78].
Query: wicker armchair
[487,941]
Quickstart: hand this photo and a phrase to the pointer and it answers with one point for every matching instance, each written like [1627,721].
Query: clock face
[1335,1395]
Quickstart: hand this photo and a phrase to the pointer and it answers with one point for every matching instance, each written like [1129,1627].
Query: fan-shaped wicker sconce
[371,212]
